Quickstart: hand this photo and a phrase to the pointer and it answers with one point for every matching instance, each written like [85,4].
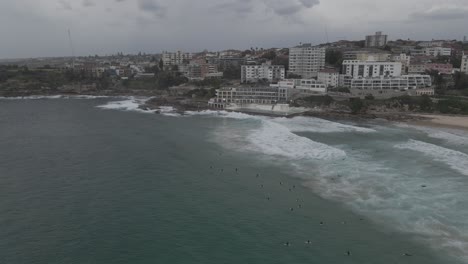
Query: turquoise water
[84,184]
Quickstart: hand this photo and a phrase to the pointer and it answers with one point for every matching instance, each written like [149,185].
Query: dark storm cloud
[441,13]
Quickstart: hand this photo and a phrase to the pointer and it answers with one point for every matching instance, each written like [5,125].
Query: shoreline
[182,104]
[443,121]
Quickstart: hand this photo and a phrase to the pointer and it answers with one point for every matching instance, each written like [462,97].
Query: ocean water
[99,181]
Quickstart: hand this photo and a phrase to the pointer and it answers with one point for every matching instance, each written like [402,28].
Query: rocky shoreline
[181,104]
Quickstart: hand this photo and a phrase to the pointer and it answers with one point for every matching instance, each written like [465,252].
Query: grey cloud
[152,6]
[279,7]
[88,3]
[65,5]
[310,3]
[240,7]
[291,7]
[441,13]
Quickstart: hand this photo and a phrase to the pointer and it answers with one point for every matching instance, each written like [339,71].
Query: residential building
[381,56]
[355,68]
[464,63]
[389,86]
[417,52]
[254,73]
[443,68]
[306,60]
[428,44]
[176,58]
[329,77]
[249,95]
[377,40]
[405,61]
[369,54]
[417,68]
[438,51]
[302,87]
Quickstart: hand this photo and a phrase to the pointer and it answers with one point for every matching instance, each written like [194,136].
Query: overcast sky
[38,28]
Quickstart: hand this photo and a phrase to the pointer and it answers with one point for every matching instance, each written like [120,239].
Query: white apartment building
[356,68]
[404,82]
[303,87]
[377,40]
[306,60]
[438,51]
[428,44]
[329,77]
[464,64]
[176,58]
[405,61]
[254,73]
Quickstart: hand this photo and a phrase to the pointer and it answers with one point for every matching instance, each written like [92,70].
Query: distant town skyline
[38,28]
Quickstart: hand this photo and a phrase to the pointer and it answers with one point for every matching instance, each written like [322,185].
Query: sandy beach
[446,121]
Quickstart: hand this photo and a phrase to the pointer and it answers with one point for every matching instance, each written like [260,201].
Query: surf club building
[249,95]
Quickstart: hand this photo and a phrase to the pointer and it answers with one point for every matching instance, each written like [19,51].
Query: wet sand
[444,121]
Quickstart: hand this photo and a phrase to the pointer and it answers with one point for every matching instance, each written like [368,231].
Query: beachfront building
[357,68]
[249,95]
[390,86]
[329,77]
[306,60]
[377,40]
[404,82]
[464,63]
[302,86]
[176,58]
[255,73]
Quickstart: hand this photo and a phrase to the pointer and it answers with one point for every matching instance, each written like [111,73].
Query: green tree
[461,81]
[161,64]
[357,105]
[426,103]
[334,57]
[270,55]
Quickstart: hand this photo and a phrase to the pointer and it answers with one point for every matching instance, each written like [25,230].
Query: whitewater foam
[222,114]
[277,140]
[132,104]
[317,125]
[455,159]
[452,136]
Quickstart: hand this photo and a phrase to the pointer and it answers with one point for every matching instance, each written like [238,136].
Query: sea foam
[277,140]
[317,125]
[455,159]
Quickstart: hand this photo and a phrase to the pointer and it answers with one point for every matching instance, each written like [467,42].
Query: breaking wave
[278,140]
[455,159]
[312,124]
